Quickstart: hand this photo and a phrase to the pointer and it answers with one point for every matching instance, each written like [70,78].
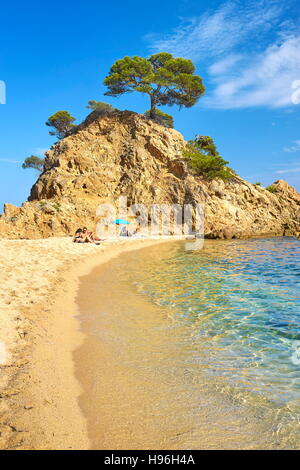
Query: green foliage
[100,107]
[164,119]
[34,162]
[258,184]
[203,157]
[167,80]
[62,124]
[57,206]
[271,188]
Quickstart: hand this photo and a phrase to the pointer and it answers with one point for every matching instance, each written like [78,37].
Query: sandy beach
[38,333]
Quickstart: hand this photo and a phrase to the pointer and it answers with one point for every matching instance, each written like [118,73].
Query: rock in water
[126,154]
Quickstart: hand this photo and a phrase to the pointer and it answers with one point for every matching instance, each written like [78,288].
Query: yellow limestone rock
[126,154]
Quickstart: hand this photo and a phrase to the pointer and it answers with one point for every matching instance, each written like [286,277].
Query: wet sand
[38,333]
[142,384]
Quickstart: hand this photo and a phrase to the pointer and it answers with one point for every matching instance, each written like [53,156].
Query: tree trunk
[153,107]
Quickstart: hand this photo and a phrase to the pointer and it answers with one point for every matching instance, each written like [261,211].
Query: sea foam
[295,357]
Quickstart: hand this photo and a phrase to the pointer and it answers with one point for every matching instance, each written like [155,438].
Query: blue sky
[54,56]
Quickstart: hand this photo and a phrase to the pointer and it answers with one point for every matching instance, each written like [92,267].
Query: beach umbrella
[121,222]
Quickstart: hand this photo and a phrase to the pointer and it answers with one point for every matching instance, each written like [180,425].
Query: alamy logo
[295,98]
[152,221]
[2,92]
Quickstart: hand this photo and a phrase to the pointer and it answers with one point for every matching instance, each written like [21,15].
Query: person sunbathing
[83,236]
[89,236]
[78,236]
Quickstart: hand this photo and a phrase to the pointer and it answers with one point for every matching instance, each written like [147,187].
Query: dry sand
[38,333]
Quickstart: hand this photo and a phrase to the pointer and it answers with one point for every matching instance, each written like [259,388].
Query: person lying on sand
[89,235]
[84,236]
[78,236]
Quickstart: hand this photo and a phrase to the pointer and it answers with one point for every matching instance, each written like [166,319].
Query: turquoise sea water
[240,301]
[195,349]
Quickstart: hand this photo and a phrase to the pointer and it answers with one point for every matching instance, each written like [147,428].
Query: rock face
[126,154]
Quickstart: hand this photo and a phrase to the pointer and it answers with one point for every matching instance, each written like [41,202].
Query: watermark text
[152,221]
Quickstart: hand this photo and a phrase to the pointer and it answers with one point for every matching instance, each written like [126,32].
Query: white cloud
[214,33]
[285,168]
[252,55]
[225,65]
[289,170]
[293,148]
[263,80]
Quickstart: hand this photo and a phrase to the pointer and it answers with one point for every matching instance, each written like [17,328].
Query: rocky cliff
[126,154]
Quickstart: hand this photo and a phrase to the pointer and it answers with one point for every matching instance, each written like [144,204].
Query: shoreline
[136,357]
[39,331]
[141,351]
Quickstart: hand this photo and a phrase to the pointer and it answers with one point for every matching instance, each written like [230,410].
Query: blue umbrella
[121,222]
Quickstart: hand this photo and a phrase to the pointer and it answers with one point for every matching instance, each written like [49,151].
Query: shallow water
[193,349]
